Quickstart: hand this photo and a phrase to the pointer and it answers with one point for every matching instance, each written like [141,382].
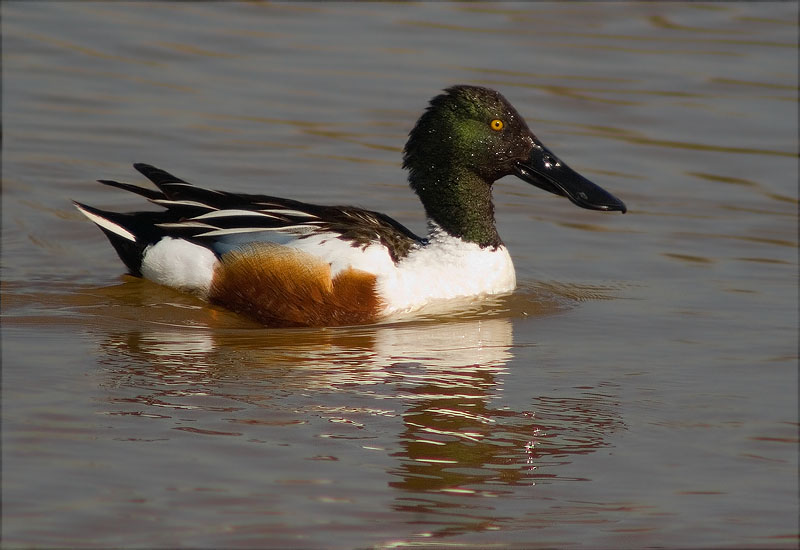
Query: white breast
[444,269]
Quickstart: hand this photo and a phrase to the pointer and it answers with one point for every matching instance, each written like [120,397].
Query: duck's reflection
[443,381]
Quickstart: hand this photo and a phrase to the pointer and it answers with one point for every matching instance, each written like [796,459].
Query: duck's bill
[544,170]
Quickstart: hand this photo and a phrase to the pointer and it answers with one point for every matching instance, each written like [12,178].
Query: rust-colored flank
[285,287]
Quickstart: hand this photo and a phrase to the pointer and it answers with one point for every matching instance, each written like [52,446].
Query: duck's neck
[460,203]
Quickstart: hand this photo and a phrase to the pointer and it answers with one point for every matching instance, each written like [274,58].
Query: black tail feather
[143,191]
[157,175]
[131,253]
[129,233]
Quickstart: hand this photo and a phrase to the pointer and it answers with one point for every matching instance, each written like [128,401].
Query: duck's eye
[496,125]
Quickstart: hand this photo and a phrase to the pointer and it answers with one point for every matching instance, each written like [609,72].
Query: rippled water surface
[639,389]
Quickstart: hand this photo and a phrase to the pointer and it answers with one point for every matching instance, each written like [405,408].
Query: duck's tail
[129,234]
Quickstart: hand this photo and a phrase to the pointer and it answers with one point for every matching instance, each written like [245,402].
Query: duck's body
[289,263]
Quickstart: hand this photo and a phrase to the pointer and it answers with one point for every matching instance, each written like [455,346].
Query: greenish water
[639,389]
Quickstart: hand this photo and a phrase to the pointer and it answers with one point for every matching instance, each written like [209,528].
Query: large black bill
[544,170]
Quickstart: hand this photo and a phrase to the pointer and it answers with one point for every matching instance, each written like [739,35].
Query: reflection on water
[441,386]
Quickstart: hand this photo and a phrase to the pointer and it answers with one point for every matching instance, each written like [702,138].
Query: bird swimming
[286,263]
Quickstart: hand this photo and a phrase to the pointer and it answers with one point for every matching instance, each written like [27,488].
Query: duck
[287,263]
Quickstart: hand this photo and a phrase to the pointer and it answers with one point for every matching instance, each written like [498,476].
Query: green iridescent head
[468,128]
[468,138]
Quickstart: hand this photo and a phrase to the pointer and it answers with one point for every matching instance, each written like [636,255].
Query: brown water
[638,390]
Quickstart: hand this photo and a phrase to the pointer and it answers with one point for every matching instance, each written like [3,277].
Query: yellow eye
[496,125]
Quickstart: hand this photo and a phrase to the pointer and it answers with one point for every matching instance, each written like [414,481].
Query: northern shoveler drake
[289,263]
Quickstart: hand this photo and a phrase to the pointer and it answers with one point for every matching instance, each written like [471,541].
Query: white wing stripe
[231,213]
[168,203]
[289,212]
[185,224]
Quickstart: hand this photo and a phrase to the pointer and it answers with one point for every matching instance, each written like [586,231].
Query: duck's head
[475,133]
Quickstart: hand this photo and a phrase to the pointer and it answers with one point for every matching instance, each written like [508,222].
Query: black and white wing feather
[210,217]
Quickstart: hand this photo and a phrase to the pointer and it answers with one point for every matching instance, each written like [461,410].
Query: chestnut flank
[285,287]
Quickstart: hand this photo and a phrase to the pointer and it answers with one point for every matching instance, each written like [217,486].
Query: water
[639,389]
